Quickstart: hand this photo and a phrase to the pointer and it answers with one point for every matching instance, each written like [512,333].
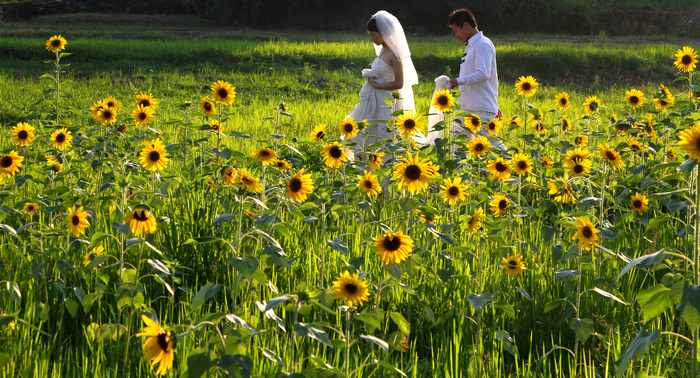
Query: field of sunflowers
[145,235]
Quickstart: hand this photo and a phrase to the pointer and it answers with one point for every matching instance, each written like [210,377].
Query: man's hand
[453,83]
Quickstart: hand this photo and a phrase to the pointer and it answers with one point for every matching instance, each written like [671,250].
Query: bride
[391,70]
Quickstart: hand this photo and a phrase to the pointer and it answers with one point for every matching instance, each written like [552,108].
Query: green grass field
[447,311]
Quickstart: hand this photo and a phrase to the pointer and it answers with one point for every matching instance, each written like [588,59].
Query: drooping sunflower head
[23,134]
[639,203]
[223,92]
[562,101]
[56,43]
[249,182]
[10,163]
[686,59]
[299,186]
[283,165]
[146,100]
[565,124]
[561,191]
[499,204]
[229,175]
[546,161]
[318,133]
[141,221]
[54,162]
[90,255]
[586,233]
[207,106]
[30,208]
[77,220]
[369,184]
[375,159]
[443,100]
[351,288]
[635,144]
[334,155]
[611,156]
[516,122]
[472,122]
[526,86]
[154,155]
[473,224]
[494,126]
[479,146]
[690,141]
[409,124]
[413,173]
[591,104]
[393,247]
[143,115]
[453,191]
[522,164]
[499,168]
[635,98]
[513,265]
[159,347]
[348,128]
[581,140]
[266,155]
[61,139]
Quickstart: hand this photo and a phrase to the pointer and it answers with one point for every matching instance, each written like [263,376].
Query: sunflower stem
[696,242]
[348,333]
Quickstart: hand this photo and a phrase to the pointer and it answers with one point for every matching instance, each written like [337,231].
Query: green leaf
[480,300]
[205,293]
[238,366]
[371,319]
[247,266]
[338,245]
[315,333]
[690,307]
[198,364]
[128,275]
[583,328]
[654,301]
[646,261]
[72,306]
[608,295]
[401,322]
[636,349]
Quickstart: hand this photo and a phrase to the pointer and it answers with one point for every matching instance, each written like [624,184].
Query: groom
[478,76]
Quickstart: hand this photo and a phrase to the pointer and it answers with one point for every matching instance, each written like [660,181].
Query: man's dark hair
[460,16]
[372,25]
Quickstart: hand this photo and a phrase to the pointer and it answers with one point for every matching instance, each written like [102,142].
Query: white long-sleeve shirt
[478,76]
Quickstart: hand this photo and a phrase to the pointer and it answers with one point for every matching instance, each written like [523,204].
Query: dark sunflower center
[563,101]
[453,190]
[637,203]
[610,155]
[502,204]
[140,215]
[391,243]
[154,156]
[593,106]
[23,134]
[687,59]
[634,100]
[295,185]
[143,116]
[479,147]
[246,180]
[442,100]
[526,86]
[522,164]
[587,232]
[578,168]
[500,167]
[75,220]
[30,207]
[56,43]
[61,137]
[413,172]
[320,135]
[409,124]
[207,106]
[163,341]
[6,162]
[475,122]
[111,104]
[663,102]
[265,154]
[350,288]
[222,92]
[512,264]
[145,103]
[335,152]
[492,126]
[368,184]
[348,127]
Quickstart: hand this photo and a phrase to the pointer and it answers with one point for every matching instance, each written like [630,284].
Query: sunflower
[526,86]
[443,100]
[413,173]
[409,124]
[581,140]
[91,254]
[283,165]
[55,163]
[454,191]
[30,208]
[639,203]
[690,141]
[591,104]
[215,125]
[499,204]
[107,116]
[143,115]
[611,156]
[562,102]
[686,59]
[522,164]
[494,126]
[565,124]
[334,155]
[223,92]
[207,106]
[141,221]
[10,163]
[112,103]
[77,220]
[546,161]
[472,122]
[351,288]
[538,125]
[229,175]
[146,100]
[56,44]
[635,98]
[61,139]
[95,109]
[513,265]
[635,144]
[393,247]
[579,167]
[662,104]
[516,122]
[249,182]
[22,134]
[473,224]
[586,233]
[499,168]
[561,191]
[348,128]
[479,146]
[154,156]
[318,133]
[375,159]
[159,347]
[266,155]
[299,186]
[576,154]
[369,184]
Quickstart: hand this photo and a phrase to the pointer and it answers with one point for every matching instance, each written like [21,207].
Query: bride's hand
[372,82]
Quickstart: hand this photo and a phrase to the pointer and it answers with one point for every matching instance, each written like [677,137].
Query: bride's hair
[372,25]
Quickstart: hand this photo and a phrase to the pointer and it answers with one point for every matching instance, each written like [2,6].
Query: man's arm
[483,58]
